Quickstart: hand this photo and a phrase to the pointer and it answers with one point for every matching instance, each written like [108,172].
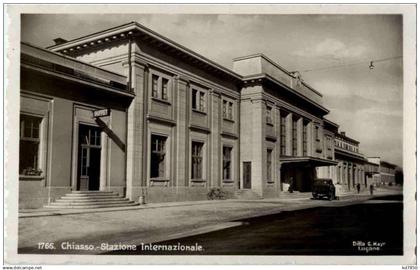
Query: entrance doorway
[89,157]
[247,175]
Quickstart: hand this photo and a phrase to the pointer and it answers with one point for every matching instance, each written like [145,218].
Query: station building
[387,171]
[130,111]
[373,177]
[61,143]
[350,170]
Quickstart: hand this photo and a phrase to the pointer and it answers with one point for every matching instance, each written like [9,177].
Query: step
[92,199]
[89,203]
[70,195]
[130,204]
[90,192]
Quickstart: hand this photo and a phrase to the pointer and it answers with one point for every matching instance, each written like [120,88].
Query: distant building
[350,170]
[372,174]
[387,172]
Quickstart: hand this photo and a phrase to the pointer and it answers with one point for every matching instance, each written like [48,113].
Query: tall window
[269,162]
[160,87]
[227,110]
[294,137]
[305,139]
[165,88]
[157,160]
[329,143]
[227,163]
[155,82]
[29,145]
[283,134]
[268,116]
[197,160]
[198,100]
[201,104]
[317,133]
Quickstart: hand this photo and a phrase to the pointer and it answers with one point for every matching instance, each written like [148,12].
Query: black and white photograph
[273,133]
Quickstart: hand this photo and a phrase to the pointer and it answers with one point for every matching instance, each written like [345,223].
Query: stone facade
[350,170]
[183,124]
[58,98]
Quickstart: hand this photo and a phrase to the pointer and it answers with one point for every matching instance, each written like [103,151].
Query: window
[227,163]
[269,161]
[294,137]
[198,100]
[157,160]
[201,104]
[165,88]
[227,110]
[317,133]
[155,81]
[283,134]
[197,160]
[305,139]
[329,143]
[89,136]
[160,87]
[29,145]
[268,117]
[194,99]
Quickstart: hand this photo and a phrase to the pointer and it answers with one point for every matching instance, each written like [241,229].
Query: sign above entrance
[101,113]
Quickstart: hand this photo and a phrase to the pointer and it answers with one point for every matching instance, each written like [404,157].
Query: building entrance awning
[311,161]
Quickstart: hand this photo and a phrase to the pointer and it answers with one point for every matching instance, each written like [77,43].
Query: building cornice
[344,152]
[346,138]
[259,78]
[137,30]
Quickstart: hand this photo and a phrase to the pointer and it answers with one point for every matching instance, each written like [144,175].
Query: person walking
[291,185]
[371,189]
[358,187]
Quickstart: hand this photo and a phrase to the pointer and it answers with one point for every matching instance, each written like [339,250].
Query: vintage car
[323,188]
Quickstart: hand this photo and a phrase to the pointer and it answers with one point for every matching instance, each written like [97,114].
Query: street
[293,224]
[374,227]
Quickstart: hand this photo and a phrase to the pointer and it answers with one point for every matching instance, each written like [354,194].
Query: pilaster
[289,134]
[181,131]
[215,147]
[136,130]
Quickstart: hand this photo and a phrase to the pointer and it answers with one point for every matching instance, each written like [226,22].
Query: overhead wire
[352,64]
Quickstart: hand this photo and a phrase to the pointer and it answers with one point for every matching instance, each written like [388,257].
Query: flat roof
[63,66]
[275,81]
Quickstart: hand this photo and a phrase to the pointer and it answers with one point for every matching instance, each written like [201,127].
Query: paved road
[154,223]
[374,227]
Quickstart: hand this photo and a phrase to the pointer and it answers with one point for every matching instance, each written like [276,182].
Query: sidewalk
[156,222]
[41,212]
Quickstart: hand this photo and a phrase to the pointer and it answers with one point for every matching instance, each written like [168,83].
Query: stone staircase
[91,199]
[247,194]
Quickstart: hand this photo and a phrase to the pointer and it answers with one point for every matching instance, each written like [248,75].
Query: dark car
[323,188]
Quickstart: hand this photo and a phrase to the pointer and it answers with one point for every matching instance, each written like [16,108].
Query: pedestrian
[371,189]
[358,187]
[291,185]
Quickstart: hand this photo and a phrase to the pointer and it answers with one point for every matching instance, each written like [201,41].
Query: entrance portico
[301,170]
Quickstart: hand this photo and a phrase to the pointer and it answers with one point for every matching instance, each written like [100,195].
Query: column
[289,128]
[103,185]
[136,128]
[258,146]
[215,147]
[181,144]
[300,137]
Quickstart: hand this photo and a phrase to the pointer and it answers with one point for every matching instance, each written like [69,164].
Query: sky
[366,103]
